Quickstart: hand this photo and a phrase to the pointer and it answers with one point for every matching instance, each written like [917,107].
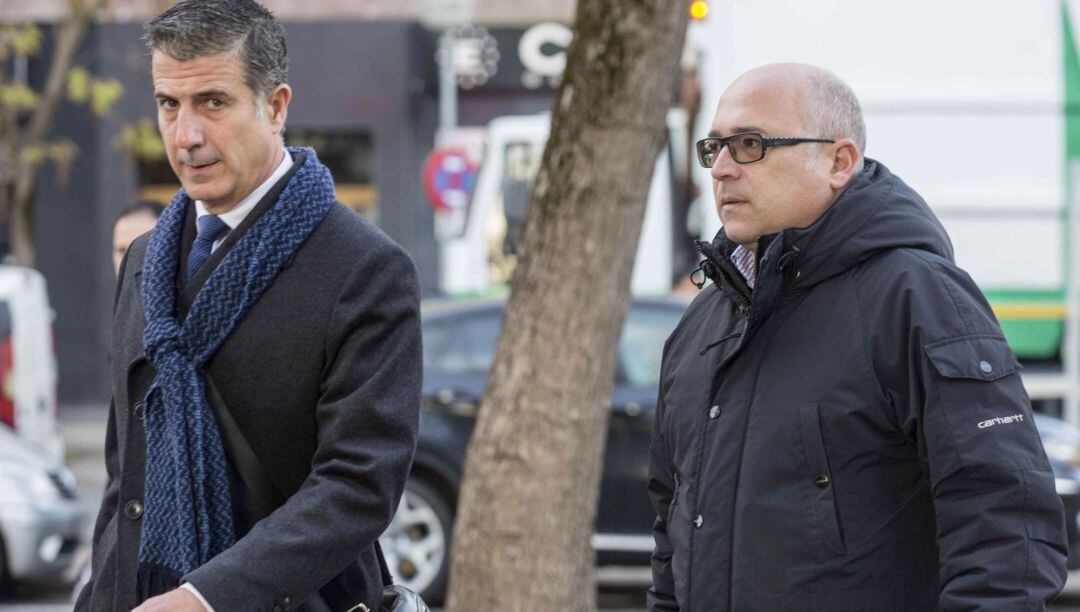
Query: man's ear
[277,102]
[845,162]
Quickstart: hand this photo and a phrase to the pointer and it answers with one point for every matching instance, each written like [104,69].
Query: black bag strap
[387,578]
[266,496]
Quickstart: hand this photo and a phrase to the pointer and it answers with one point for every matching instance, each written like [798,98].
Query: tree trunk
[69,34]
[528,502]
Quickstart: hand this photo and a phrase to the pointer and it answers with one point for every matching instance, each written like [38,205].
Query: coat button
[138,409]
[714,412]
[133,509]
[822,481]
[986,367]
[699,521]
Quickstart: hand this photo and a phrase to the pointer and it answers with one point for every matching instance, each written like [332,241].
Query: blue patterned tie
[210,229]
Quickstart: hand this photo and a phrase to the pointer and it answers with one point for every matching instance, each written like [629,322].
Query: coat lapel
[140,372]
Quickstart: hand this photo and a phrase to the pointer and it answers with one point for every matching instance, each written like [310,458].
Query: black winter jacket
[854,435]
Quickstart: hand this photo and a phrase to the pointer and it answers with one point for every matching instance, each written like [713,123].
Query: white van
[474,240]
[28,401]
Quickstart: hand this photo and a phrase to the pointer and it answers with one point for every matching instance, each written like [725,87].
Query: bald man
[841,423]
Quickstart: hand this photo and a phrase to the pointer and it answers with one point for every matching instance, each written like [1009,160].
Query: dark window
[5,321]
[462,345]
[642,344]
[350,157]
[465,344]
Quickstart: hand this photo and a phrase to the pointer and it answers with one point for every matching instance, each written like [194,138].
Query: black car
[1062,443]
[459,343]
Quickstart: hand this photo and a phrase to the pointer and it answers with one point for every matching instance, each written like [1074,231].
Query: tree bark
[69,35]
[522,539]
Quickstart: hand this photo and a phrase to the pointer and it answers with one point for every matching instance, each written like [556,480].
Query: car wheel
[416,543]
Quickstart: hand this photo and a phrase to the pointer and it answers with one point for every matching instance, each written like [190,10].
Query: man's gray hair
[834,111]
[198,28]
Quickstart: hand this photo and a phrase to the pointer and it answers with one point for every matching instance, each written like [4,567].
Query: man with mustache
[821,440]
[266,354]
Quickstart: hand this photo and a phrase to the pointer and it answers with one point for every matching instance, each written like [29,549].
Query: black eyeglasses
[745,148]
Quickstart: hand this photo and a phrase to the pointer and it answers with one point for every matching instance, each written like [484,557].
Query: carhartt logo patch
[1016,418]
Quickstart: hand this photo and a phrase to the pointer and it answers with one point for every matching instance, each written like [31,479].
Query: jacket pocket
[674,497]
[985,358]
[823,511]
[676,525]
[977,409]
[678,535]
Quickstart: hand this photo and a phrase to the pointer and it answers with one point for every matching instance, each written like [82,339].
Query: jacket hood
[876,212]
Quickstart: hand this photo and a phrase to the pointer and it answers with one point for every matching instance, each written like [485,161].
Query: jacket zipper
[723,279]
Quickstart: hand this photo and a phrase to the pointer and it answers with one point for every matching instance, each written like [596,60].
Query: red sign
[449,178]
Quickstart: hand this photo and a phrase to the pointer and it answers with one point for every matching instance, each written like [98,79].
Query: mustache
[189,160]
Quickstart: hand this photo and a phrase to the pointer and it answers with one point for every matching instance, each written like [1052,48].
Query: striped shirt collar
[746,263]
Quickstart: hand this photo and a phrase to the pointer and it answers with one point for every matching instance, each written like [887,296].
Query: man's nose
[189,134]
[724,166]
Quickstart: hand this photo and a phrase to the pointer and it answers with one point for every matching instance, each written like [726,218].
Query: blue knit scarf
[188,518]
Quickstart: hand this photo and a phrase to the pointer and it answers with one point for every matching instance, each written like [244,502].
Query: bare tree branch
[69,36]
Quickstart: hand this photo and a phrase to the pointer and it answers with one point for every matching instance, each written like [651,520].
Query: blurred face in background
[126,230]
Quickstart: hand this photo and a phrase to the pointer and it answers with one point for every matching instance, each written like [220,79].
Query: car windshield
[464,343]
[461,344]
[642,344]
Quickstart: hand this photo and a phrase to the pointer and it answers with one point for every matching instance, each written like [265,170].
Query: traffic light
[699,10]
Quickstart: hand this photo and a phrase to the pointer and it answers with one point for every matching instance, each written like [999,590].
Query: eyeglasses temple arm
[789,141]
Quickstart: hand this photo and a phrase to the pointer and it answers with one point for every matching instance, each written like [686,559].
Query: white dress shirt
[233,218]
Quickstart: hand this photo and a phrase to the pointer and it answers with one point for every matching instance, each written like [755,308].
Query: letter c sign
[538,64]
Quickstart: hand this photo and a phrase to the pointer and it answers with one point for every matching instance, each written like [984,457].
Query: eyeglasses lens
[746,148]
[743,148]
[707,150]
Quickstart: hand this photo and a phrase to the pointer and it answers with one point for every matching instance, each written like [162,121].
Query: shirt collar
[237,213]
[746,263]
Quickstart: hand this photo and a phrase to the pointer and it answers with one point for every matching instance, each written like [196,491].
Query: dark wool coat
[824,443]
[322,376]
